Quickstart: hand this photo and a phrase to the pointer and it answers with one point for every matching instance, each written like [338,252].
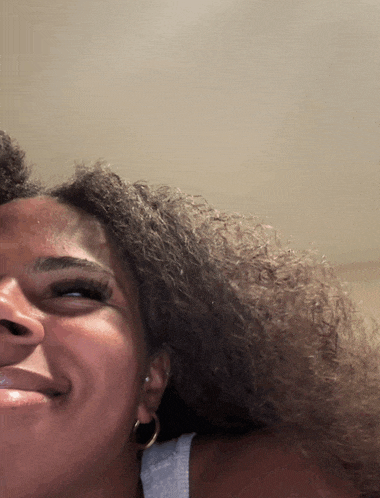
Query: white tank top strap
[165,469]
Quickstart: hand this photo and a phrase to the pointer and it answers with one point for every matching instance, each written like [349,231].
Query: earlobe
[154,436]
[154,386]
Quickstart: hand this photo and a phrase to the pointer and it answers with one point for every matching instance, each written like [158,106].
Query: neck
[121,480]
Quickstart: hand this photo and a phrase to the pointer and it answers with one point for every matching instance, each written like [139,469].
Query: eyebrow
[54,263]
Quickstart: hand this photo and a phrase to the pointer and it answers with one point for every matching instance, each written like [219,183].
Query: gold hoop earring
[153,439]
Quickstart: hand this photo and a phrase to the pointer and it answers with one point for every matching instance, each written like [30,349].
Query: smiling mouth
[26,387]
[15,399]
[50,393]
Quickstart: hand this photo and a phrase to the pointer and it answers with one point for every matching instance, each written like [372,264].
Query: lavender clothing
[165,469]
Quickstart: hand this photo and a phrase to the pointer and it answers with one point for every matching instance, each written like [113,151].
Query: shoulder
[258,466]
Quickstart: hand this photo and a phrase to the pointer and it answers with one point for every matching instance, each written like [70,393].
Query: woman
[128,313]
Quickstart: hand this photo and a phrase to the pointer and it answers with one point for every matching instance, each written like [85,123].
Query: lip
[16,398]
[15,378]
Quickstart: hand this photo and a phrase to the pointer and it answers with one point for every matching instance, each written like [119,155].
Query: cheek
[104,356]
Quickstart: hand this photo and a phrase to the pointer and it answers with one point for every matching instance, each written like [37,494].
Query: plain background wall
[266,107]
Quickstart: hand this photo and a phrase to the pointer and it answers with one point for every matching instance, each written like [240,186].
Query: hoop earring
[153,439]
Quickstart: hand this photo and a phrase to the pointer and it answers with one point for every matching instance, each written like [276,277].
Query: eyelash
[88,288]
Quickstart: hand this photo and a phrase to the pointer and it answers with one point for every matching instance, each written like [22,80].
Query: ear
[154,386]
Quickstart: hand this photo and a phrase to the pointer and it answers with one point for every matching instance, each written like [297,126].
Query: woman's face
[72,352]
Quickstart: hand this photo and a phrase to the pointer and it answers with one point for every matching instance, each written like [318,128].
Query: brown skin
[94,349]
[259,466]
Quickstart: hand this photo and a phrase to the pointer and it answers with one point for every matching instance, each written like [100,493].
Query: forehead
[47,214]
[42,223]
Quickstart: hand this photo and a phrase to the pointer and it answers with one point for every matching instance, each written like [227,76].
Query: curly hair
[260,336]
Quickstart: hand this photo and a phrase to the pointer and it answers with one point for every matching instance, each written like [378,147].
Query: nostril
[14,328]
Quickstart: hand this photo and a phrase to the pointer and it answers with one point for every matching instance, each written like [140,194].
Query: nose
[19,323]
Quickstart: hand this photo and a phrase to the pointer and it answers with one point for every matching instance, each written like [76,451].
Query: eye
[82,289]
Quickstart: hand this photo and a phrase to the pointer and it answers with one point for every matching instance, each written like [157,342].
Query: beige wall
[270,107]
[363,284]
